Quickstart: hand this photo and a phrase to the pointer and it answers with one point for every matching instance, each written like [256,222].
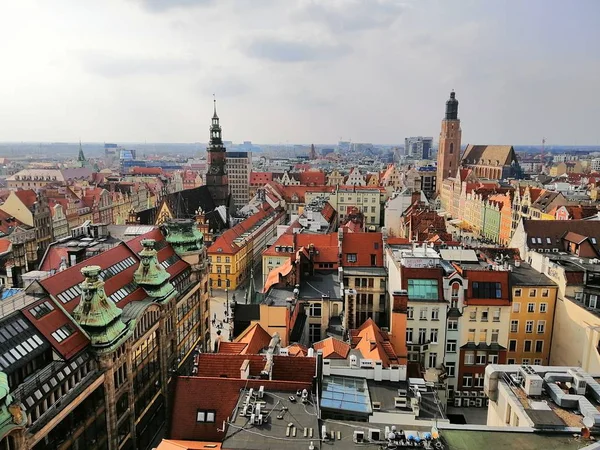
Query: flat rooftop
[502,440]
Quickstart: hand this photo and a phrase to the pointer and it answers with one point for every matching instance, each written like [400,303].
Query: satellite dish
[588,421]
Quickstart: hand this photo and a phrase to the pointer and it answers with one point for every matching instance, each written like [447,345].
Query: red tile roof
[27,197]
[363,245]
[254,339]
[260,178]
[170,444]
[218,394]
[313,178]
[224,244]
[146,170]
[297,350]
[4,245]
[328,212]
[274,276]
[332,348]
[228,366]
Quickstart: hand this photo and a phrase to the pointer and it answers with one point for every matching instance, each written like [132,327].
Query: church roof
[491,155]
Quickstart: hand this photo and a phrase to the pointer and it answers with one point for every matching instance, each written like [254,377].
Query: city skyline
[315,71]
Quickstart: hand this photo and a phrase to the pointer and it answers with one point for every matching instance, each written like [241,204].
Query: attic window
[539,240]
[593,240]
[548,240]
[533,240]
[205,416]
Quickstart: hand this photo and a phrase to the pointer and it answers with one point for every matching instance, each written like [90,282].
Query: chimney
[245,369]
[400,301]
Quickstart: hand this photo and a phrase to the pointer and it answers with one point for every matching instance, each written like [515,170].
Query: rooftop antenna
[542,155]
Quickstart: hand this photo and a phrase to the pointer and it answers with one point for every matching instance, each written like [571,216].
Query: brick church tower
[448,158]
[216,172]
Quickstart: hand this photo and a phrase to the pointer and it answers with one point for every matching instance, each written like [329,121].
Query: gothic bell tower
[448,158]
[216,171]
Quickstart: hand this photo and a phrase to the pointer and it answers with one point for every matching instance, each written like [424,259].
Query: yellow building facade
[531,317]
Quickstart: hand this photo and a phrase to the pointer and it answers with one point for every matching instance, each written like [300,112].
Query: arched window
[451,147]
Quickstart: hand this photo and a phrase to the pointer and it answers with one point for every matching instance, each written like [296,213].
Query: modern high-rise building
[448,158]
[418,147]
[239,166]
[216,172]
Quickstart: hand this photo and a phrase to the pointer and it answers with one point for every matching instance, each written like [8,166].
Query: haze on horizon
[299,70]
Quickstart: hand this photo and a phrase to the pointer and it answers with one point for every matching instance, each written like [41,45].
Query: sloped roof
[551,232]
[328,212]
[217,394]
[332,348]
[27,197]
[500,155]
[374,344]
[296,349]
[312,177]
[225,242]
[258,178]
[254,339]
[274,275]
[170,444]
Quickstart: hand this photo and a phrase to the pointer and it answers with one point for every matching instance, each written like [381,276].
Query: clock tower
[216,171]
[448,158]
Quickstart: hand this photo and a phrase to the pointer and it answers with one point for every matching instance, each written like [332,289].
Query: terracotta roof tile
[332,348]
[297,350]
[27,197]
[255,338]
[374,344]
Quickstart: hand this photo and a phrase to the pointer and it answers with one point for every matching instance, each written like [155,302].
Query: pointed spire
[452,107]
[81,156]
[215,107]
[251,291]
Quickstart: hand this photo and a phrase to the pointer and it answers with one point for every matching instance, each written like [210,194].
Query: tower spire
[81,156]
[215,107]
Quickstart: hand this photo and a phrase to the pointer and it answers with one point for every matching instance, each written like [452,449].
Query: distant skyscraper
[216,172]
[418,147]
[239,166]
[448,158]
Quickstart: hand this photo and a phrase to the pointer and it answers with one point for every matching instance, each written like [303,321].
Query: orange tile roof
[260,178]
[27,197]
[255,338]
[297,350]
[273,277]
[4,245]
[171,444]
[332,348]
[374,344]
[328,212]
[313,177]
[234,348]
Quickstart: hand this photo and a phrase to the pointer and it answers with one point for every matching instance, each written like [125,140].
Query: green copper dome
[184,236]
[151,276]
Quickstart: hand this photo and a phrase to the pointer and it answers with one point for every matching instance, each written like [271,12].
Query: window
[357,282]
[471,335]
[527,346]
[532,292]
[484,315]
[578,295]
[493,359]
[453,324]
[484,289]
[455,290]
[481,358]
[205,416]
[525,361]
[218,259]
[496,317]
[473,315]
[537,362]
[469,358]
[451,346]
[467,380]
[510,361]
[593,240]
[530,307]
[514,326]
[479,378]
[545,293]
[63,332]
[314,310]
[314,332]
[451,369]
[435,313]
[433,335]
[227,259]
[494,338]
[423,313]
[541,326]
[529,326]
[593,301]
[371,282]
[351,257]
[410,311]
[382,283]
[422,335]
[432,360]
[517,293]
[539,346]
[483,335]
[516,307]
[543,307]
[420,289]
[409,335]
[512,345]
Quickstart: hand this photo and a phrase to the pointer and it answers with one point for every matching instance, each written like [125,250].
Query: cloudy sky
[299,71]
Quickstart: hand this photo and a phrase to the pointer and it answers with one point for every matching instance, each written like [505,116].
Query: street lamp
[226,305]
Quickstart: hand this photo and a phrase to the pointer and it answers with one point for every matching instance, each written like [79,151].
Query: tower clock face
[214,170]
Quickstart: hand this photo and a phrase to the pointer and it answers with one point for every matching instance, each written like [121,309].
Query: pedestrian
[217,341]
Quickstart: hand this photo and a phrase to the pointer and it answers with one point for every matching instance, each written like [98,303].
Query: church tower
[216,173]
[448,158]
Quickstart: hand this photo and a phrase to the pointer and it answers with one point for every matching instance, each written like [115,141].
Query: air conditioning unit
[358,437]
[473,402]
[487,402]
[479,402]
[376,406]
[458,394]
[458,402]
[465,402]
[474,393]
